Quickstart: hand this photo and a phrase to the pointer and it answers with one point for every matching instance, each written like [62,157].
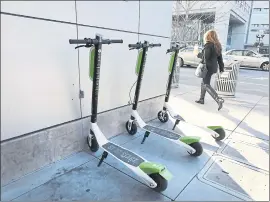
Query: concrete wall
[42,117]
[40,68]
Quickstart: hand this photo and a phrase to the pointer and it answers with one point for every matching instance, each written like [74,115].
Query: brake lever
[86,46]
[79,46]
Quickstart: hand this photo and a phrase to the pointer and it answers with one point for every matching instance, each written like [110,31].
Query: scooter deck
[123,154]
[162,132]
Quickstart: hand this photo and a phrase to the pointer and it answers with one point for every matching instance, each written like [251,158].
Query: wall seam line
[78,24]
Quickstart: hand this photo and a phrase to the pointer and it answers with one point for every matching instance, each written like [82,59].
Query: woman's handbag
[201,70]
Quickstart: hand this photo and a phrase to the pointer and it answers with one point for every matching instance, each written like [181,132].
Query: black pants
[205,86]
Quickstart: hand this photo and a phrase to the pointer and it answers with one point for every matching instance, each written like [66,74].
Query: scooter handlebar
[154,45]
[108,41]
[142,45]
[77,41]
[88,41]
[175,48]
[137,45]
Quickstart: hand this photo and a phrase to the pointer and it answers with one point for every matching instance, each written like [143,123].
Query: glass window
[248,53]
[257,9]
[237,53]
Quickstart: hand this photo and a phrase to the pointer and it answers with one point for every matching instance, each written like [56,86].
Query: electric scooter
[217,132]
[155,175]
[190,143]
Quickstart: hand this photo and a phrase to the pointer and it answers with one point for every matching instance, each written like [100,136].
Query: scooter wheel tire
[162,183]
[92,143]
[163,118]
[133,129]
[221,134]
[198,147]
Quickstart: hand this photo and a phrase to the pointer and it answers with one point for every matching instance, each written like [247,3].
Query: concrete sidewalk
[232,170]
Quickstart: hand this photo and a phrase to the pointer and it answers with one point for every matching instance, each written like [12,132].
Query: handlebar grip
[132,45]
[116,41]
[155,45]
[77,41]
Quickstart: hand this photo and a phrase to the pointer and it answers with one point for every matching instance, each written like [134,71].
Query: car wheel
[265,66]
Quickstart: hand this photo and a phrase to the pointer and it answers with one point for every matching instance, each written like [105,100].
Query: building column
[238,36]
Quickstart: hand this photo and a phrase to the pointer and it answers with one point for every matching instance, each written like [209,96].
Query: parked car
[249,58]
[187,57]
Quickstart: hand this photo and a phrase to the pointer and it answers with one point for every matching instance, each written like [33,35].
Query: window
[237,53]
[257,9]
[254,30]
[248,53]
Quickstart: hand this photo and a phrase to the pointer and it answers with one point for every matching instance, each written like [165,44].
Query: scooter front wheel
[133,128]
[198,147]
[162,183]
[221,134]
[92,143]
[163,116]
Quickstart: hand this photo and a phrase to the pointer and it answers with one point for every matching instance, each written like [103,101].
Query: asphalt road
[250,81]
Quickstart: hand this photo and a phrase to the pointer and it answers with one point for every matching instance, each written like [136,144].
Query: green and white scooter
[217,132]
[155,175]
[190,143]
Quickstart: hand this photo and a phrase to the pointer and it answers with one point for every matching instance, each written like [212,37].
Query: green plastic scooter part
[219,130]
[139,61]
[215,127]
[91,62]
[189,139]
[151,168]
[171,62]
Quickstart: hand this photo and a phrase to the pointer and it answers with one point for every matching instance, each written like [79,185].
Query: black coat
[212,59]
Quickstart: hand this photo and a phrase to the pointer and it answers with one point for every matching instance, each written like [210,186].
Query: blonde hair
[211,36]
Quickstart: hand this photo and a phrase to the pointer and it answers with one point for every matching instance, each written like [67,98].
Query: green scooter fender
[151,168]
[219,130]
[215,127]
[189,139]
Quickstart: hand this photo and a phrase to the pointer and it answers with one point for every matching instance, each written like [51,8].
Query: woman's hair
[211,36]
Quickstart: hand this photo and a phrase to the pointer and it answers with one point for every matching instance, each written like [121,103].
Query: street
[252,82]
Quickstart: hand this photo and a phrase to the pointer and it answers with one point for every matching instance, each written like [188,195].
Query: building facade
[259,25]
[229,18]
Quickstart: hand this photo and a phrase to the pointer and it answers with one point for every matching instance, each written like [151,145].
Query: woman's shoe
[220,103]
[200,101]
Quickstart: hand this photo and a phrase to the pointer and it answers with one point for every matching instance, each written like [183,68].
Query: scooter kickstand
[104,156]
[146,134]
[176,122]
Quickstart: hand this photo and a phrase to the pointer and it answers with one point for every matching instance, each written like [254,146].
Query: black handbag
[201,70]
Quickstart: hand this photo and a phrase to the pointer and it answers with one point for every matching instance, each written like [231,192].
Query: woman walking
[212,57]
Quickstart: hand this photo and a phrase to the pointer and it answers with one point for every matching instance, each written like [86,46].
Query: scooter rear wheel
[163,117]
[221,134]
[161,182]
[92,143]
[198,147]
[133,129]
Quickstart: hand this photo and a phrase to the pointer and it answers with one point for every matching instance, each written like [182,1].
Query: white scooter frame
[217,132]
[154,175]
[190,143]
